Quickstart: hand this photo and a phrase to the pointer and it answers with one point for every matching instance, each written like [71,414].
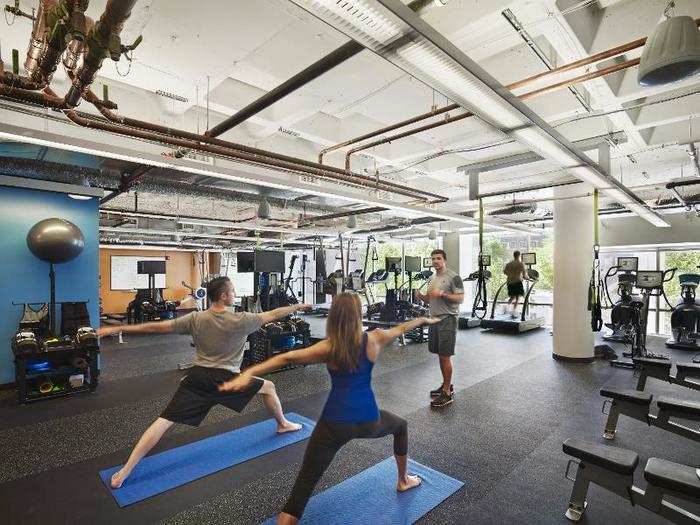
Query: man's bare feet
[408,483]
[118,478]
[288,427]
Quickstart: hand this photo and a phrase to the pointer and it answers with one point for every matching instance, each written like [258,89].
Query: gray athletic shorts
[442,336]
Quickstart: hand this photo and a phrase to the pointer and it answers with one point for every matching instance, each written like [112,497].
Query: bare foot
[408,483]
[288,427]
[118,478]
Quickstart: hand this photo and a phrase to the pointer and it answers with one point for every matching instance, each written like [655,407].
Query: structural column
[450,244]
[573,260]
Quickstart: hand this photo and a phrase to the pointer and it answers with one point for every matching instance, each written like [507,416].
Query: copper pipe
[261,158]
[98,44]
[318,168]
[525,96]
[609,53]
[22,82]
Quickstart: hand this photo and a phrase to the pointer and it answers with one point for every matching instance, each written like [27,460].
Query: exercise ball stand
[55,240]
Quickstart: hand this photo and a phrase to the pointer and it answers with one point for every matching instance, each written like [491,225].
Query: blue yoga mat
[370,497]
[169,469]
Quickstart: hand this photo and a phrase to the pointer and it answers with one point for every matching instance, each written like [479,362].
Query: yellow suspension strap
[595,285]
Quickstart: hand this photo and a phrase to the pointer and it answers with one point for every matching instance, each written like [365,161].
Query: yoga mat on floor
[169,469]
[370,497]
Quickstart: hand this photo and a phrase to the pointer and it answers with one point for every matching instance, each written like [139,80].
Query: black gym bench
[613,469]
[661,369]
[634,404]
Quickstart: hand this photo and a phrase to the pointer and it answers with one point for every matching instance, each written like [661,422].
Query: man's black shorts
[442,336]
[199,392]
[516,289]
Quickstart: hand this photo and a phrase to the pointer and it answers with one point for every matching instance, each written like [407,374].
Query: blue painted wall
[24,278]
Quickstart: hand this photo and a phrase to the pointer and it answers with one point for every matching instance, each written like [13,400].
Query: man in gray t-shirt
[445,293]
[219,337]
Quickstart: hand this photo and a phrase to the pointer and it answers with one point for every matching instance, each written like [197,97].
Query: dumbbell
[85,336]
[273,329]
[24,343]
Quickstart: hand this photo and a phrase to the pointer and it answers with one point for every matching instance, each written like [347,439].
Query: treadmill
[526,322]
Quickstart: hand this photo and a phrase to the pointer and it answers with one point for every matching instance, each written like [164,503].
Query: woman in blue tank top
[351,410]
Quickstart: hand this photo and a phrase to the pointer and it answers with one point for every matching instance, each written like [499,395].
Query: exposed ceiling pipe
[609,53]
[518,27]
[315,70]
[525,96]
[340,215]
[178,138]
[35,169]
[529,188]
[102,41]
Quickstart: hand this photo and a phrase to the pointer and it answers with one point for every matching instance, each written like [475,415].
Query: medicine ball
[55,240]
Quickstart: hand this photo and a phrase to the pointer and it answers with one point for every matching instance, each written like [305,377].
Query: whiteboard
[124,276]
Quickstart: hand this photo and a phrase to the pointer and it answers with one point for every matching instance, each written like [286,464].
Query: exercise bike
[685,317]
[651,283]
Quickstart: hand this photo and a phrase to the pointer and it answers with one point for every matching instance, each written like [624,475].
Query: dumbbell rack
[262,346]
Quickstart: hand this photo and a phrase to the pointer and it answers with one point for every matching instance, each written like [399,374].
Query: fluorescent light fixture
[79,197]
[394,32]
[542,144]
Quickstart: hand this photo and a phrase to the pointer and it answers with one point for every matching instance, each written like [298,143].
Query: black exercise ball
[55,240]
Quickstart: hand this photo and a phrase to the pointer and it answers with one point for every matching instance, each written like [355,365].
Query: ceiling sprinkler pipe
[99,44]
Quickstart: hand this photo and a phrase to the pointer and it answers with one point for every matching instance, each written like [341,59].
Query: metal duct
[103,40]
[514,210]
[35,169]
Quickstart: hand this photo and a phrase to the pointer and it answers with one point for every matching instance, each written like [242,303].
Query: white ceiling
[221,55]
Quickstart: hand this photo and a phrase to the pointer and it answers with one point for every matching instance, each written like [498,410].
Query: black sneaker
[442,400]
[438,391]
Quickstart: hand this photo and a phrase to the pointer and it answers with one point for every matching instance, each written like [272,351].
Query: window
[686,261]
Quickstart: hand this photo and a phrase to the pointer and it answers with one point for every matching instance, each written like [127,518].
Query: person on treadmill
[515,275]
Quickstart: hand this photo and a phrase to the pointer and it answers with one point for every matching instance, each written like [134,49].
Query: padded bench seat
[633,396]
[673,476]
[611,458]
[689,369]
[692,408]
[662,363]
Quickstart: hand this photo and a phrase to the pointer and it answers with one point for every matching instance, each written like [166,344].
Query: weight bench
[613,469]
[634,404]
[661,369]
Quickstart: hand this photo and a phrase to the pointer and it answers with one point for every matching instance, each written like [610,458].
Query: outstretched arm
[158,327]
[384,337]
[281,313]
[317,353]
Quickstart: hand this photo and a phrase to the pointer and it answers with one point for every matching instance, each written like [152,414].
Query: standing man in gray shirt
[445,293]
[219,337]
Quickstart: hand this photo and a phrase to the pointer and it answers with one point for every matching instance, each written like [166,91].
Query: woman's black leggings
[327,439]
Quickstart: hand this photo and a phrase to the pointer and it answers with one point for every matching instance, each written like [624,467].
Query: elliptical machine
[651,282]
[622,314]
[481,303]
[685,318]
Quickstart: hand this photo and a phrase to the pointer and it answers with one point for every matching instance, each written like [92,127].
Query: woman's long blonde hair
[344,331]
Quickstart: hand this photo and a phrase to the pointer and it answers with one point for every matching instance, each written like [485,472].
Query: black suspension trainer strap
[595,286]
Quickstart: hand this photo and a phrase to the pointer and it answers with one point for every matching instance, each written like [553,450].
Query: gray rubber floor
[514,406]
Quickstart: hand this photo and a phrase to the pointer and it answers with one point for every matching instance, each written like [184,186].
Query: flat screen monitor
[269,261]
[150,267]
[628,264]
[413,264]
[484,260]
[529,258]
[650,279]
[244,262]
[393,264]
[427,262]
